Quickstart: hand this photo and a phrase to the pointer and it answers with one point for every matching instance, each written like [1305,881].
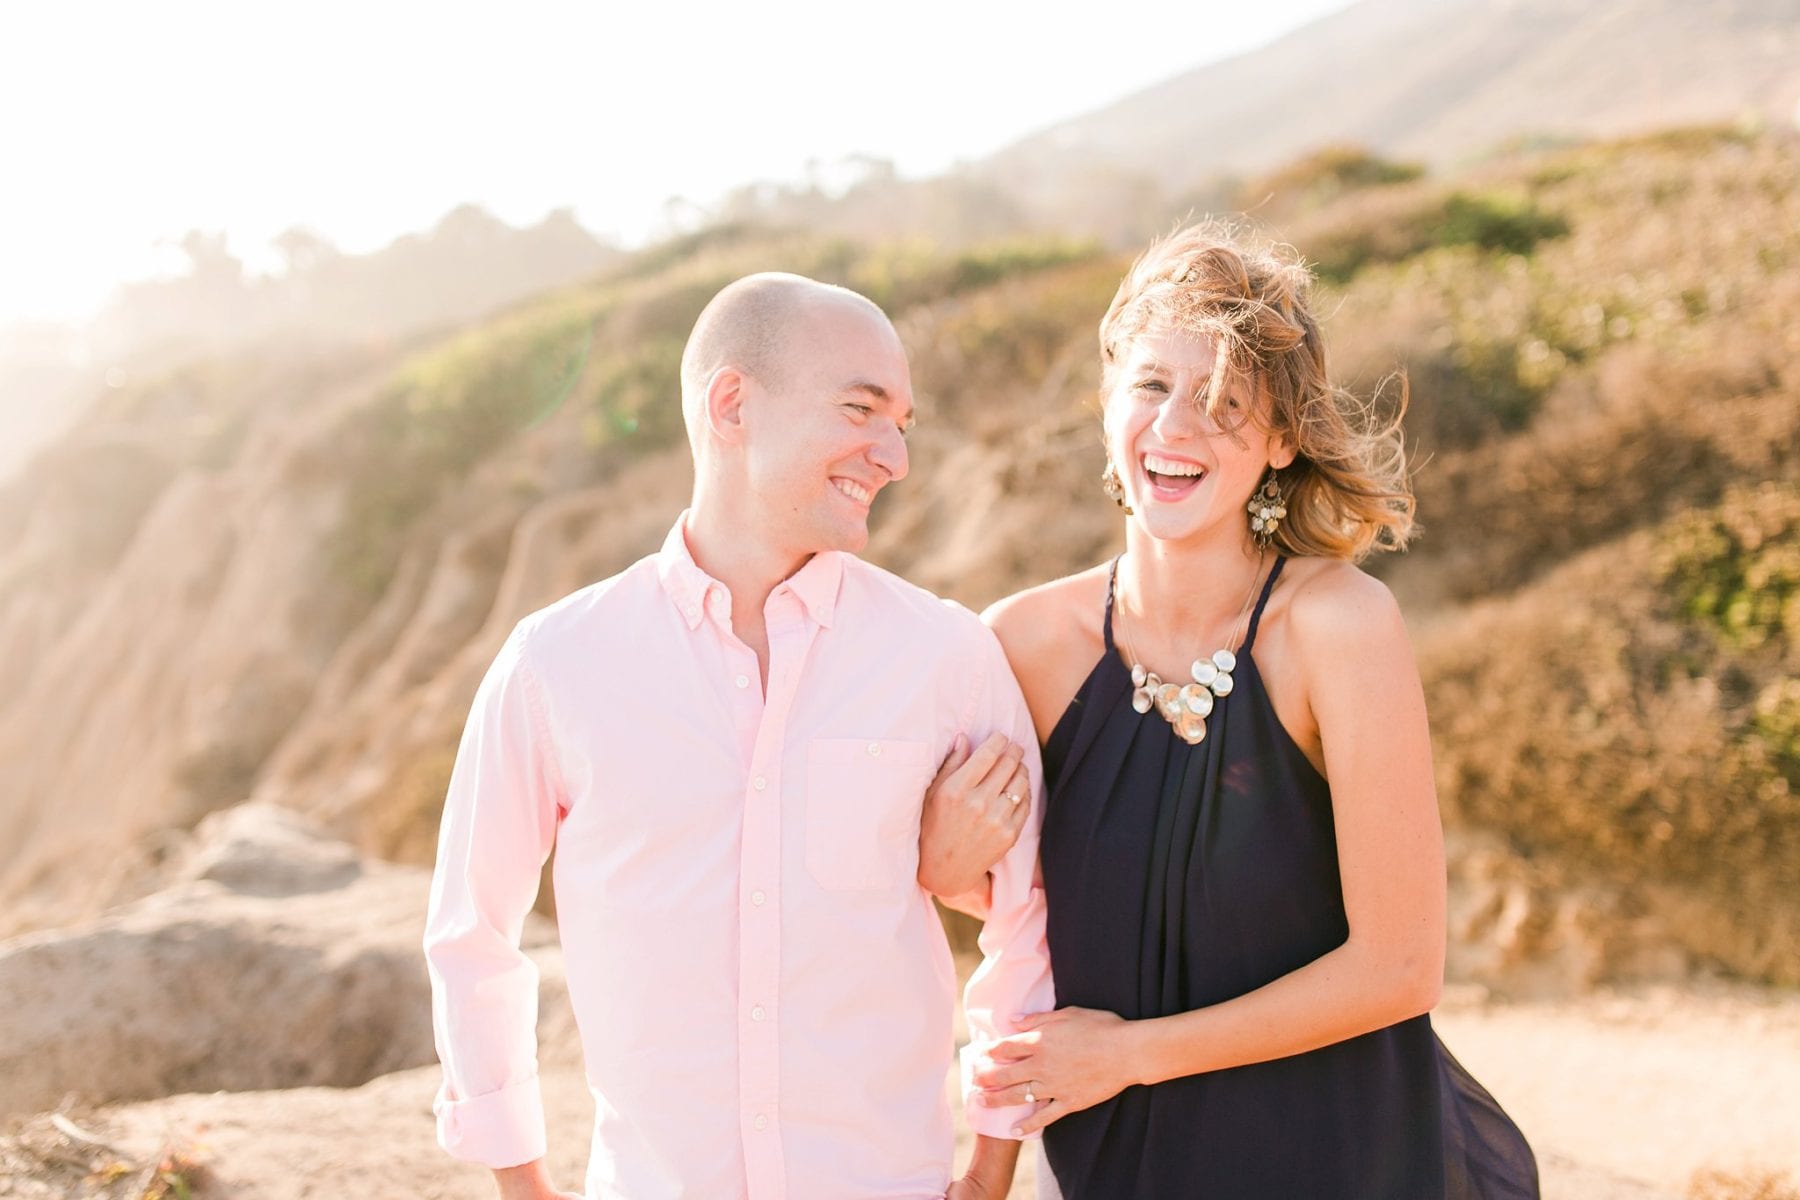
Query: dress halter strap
[1112,579]
[1262,601]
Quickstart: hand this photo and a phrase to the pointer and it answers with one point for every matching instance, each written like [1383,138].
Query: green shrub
[1493,221]
[1737,570]
[1324,175]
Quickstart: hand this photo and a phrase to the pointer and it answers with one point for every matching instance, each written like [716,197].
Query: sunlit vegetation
[1600,342]
[605,359]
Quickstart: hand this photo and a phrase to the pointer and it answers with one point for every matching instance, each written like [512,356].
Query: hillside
[465,267]
[280,575]
[1436,80]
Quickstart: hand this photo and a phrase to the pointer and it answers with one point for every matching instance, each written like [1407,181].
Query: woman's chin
[1171,523]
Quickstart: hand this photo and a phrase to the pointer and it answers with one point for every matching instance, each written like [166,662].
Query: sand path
[1624,1097]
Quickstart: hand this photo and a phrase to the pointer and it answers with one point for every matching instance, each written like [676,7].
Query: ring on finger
[1030,1096]
[1013,797]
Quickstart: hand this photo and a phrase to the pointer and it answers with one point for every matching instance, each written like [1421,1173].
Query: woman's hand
[1069,1060]
[972,815]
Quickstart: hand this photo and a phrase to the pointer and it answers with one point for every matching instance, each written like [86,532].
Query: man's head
[796,395]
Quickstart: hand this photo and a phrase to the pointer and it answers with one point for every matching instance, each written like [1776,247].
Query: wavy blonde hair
[1346,492]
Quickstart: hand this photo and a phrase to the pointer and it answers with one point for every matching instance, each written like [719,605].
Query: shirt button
[757,898]
[693,612]
[875,748]
[743,681]
[761,1121]
[759,783]
[757,1013]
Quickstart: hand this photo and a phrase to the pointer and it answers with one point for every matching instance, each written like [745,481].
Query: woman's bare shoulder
[1052,636]
[1337,611]
[1050,613]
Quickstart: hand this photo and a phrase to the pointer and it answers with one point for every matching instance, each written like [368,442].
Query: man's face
[824,438]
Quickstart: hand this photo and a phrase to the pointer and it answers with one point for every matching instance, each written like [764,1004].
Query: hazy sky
[124,124]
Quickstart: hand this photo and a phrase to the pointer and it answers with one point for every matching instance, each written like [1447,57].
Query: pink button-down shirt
[763,991]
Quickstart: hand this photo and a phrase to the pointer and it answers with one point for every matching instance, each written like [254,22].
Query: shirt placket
[759,911]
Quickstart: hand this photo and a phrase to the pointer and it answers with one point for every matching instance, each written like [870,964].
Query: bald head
[750,325]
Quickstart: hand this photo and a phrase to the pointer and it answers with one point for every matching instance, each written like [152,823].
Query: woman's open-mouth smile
[1171,479]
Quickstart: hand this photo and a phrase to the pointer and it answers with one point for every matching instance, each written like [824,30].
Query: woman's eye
[1152,385]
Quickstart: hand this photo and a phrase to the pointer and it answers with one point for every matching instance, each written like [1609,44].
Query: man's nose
[889,453]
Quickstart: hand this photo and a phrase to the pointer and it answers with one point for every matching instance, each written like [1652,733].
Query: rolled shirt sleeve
[1014,975]
[501,811]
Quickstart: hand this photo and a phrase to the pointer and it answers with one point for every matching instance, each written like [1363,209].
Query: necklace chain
[1185,706]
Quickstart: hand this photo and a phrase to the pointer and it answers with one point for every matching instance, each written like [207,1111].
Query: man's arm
[500,818]
[990,1172]
[1014,975]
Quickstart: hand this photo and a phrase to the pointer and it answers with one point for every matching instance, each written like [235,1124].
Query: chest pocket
[863,797]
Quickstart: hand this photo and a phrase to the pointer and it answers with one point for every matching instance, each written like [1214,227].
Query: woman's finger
[1018,786]
[1013,1046]
[1045,1114]
[1015,1094]
[987,789]
[989,1076]
[995,1076]
[980,764]
[959,754]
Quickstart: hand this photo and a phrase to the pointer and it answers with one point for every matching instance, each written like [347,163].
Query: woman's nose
[1182,415]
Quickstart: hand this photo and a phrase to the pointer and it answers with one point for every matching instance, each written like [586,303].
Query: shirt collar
[815,584]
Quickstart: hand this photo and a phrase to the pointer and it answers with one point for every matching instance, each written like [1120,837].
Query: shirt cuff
[497,1129]
[990,1122]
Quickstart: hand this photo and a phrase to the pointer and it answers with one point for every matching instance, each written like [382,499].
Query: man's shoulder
[596,607]
[900,597]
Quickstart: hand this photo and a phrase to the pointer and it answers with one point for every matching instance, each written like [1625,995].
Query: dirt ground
[1625,1096]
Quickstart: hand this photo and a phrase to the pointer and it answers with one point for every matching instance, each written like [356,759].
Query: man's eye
[863,409]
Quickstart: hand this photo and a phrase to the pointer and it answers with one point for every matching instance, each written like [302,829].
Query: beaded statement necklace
[1186,706]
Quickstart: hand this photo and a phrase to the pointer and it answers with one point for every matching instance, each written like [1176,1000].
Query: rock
[278,960]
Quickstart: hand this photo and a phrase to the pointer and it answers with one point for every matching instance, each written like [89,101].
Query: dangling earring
[1266,509]
[1113,486]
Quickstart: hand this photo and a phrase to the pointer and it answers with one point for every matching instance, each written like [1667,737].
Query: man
[728,743]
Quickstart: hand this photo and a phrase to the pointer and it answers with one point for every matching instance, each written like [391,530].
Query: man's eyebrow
[880,393]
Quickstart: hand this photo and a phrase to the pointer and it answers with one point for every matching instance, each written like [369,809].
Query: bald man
[751,751]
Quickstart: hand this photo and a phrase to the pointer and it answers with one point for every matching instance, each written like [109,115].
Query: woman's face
[1184,476]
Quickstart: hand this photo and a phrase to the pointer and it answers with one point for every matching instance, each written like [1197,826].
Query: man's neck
[735,552]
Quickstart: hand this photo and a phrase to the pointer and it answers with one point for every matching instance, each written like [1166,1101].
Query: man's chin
[848,536]
[854,542]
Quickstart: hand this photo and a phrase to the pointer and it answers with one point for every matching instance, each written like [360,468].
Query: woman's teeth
[1176,473]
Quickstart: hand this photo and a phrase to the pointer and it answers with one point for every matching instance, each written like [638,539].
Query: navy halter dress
[1181,876]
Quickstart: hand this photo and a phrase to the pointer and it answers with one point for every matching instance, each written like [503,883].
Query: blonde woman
[1241,850]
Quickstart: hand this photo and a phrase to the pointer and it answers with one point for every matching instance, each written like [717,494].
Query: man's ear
[725,405]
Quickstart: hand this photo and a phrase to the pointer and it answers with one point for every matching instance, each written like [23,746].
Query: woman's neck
[1177,595]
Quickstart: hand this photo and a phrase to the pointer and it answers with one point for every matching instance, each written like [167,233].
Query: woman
[1241,850]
